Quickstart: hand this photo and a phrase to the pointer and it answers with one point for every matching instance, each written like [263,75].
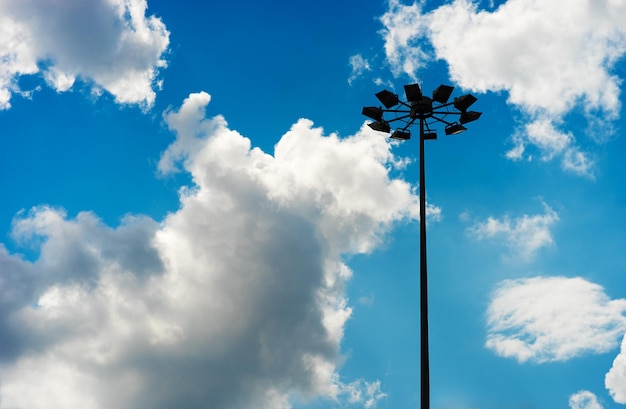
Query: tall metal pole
[425,365]
[420,107]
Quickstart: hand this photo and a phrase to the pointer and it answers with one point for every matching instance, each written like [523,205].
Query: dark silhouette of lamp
[401,135]
[442,93]
[413,92]
[455,129]
[380,126]
[388,98]
[469,116]
[463,102]
[376,113]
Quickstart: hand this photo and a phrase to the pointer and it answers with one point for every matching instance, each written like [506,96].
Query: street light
[420,108]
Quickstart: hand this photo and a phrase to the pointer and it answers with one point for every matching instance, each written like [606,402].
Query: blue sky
[194,213]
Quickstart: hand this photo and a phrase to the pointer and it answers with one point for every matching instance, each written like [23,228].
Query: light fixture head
[381,126]
[469,116]
[430,135]
[442,93]
[376,113]
[413,92]
[464,101]
[388,98]
[401,135]
[454,129]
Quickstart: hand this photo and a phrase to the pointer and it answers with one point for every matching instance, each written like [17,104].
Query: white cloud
[515,49]
[404,27]
[359,66]
[545,319]
[348,198]
[109,44]
[578,163]
[615,380]
[366,393]
[524,236]
[584,400]
[550,56]
[367,301]
[235,300]
[550,141]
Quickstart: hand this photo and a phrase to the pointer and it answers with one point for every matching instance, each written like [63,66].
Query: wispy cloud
[359,66]
[404,27]
[524,235]
[545,319]
[365,393]
[109,44]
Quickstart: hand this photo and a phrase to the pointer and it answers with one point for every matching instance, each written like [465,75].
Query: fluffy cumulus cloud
[615,380]
[551,57]
[584,400]
[110,44]
[545,319]
[524,235]
[235,300]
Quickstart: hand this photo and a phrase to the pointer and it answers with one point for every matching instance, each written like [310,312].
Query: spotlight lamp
[442,93]
[388,98]
[380,126]
[463,102]
[455,129]
[376,113]
[401,135]
[469,116]
[413,92]
[425,111]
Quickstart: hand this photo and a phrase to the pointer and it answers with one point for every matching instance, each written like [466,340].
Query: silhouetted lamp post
[427,111]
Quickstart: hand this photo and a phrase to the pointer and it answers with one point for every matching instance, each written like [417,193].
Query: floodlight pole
[424,359]
[420,108]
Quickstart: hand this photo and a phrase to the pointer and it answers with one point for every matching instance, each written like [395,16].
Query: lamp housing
[413,92]
[381,126]
[376,113]
[442,93]
[469,116]
[454,129]
[464,101]
[388,98]
[401,135]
